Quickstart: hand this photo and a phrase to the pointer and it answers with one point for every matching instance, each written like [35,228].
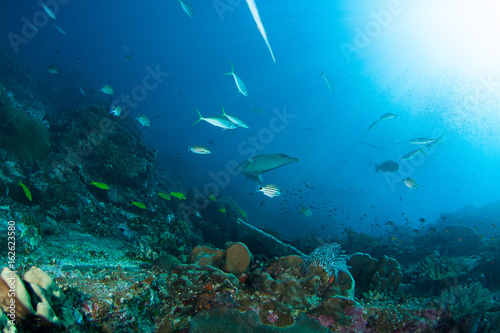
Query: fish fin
[250,160]
[201,117]
[223,111]
[232,70]
[422,151]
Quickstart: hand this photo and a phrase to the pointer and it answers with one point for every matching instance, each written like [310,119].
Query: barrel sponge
[25,136]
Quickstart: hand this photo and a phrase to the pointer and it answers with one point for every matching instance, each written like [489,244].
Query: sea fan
[329,257]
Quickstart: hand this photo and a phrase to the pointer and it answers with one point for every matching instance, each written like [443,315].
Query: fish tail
[422,151]
[201,117]
[223,111]
[322,73]
[232,70]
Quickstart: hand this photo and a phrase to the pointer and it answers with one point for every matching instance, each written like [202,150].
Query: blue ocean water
[374,54]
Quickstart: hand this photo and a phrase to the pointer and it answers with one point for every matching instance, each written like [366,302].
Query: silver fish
[234,119]
[383,117]
[61,30]
[239,82]
[422,141]
[412,154]
[52,70]
[48,11]
[187,8]
[328,81]
[270,190]
[216,121]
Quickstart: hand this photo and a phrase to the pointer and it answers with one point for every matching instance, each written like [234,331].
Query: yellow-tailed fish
[216,121]
[328,81]
[199,150]
[52,70]
[270,190]
[234,119]
[178,195]
[383,117]
[26,190]
[164,195]
[48,11]
[144,120]
[412,154]
[411,183]
[239,82]
[107,89]
[102,186]
[255,14]
[187,8]
[139,205]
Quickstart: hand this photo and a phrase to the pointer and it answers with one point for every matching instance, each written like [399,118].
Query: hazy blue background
[400,69]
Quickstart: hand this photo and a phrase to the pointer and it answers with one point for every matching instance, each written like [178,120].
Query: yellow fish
[222,210]
[102,186]
[139,205]
[26,190]
[178,195]
[164,195]
[212,197]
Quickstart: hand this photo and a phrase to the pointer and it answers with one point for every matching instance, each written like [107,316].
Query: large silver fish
[255,13]
[257,165]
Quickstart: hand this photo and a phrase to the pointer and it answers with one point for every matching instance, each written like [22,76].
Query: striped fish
[411,183]
[270,190]
[107,89]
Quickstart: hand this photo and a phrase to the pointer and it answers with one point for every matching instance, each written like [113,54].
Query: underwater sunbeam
[460,34]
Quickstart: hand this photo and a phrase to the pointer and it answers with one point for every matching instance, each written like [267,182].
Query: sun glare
[459,34]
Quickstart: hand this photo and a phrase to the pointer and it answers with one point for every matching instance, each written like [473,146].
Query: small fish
[270,190]
[178,195]
[216,121]
[52,70]
[234,119]
[412,154]
[61,30]
[187,8]
[139,205]
[212,197]
[328,81]
[48,11]
[143,120]
[411,183]
[383,117]
[258,110]
[81,91]
[222,210]
[421,141]
[115,110]
[128,52]
[306,212]
[239,82]
[102,186]
[26,190]
[107,89]
[199,150]
[422,220]
[390,223]
[164,196]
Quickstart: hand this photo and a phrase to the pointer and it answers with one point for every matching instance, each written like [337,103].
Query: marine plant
[329,257]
